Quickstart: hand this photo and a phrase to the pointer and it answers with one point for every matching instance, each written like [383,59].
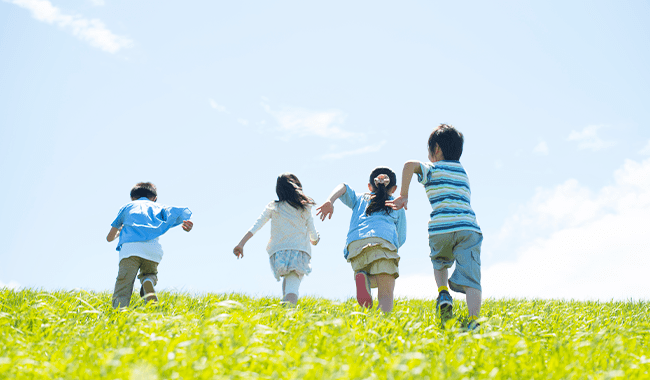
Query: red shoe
[364,297]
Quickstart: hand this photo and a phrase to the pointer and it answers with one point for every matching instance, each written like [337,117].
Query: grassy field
[77,335]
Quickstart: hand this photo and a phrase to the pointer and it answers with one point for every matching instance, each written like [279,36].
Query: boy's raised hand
[398,203]
[238,251]
[187,225]
[326,209]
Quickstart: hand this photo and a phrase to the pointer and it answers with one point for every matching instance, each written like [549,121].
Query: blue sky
[212,100]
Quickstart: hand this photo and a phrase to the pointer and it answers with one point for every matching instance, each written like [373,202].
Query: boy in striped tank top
[454,234]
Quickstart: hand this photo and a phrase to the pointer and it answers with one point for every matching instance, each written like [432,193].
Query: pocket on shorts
[476,256]
[121,275]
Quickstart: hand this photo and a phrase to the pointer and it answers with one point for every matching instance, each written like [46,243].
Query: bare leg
[441,276]
[473,297]
[386,285]
[373,281]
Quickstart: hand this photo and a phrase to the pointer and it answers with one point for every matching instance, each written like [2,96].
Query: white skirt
[291,260]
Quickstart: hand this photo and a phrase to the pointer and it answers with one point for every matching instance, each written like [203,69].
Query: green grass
[77,335]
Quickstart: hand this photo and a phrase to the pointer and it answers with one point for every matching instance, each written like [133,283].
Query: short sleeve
[119,221]
[349,198]
[424,168]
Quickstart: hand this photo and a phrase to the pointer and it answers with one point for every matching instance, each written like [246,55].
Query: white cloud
[364,150]
[580,244]
[301,122]
[646,149]
[591,245]
[541,148]
[217,106]
[11,285]
[98,3]
[242,121]
[92,31]
[588,138]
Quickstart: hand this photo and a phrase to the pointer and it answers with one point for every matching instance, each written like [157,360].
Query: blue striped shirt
[447,187]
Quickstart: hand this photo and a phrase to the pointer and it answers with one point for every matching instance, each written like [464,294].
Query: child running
[454,234]
[375,234]
[138,225]
[292,229]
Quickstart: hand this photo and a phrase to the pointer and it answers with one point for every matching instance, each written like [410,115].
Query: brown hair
[450,141]
[289,189]
[144,189]
[378,202]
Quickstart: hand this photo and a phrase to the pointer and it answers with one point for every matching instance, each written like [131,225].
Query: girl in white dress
[292,229]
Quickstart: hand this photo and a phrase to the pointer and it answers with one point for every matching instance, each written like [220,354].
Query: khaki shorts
[462,248]
[374,256]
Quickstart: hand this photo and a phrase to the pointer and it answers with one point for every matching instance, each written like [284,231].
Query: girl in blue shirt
[376,232]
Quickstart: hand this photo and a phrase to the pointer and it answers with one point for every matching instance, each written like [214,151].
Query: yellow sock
[440,289]
[473,318]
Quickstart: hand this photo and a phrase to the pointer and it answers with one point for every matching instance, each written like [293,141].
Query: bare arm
[410,167]
[327,208]
[239,249]
[113,234]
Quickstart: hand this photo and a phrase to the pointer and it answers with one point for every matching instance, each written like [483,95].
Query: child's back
[143,220]
[292,232]
[139,223]
[291,227]
[376,233]
[454,234]
[447,188]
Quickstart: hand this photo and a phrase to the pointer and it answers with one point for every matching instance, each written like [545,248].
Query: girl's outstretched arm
[314,237]
[410,167]
[327,208]
[239,249]
[259,223]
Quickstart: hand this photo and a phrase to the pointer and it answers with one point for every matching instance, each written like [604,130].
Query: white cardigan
[291,228]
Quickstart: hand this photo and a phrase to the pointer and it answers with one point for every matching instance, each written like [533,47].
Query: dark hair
[289,189]
[450,141]
[144,189]
[380,190]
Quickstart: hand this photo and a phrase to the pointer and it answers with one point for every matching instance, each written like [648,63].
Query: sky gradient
[212,100]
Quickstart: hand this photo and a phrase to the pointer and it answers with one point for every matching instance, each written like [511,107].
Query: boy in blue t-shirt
[138,225]
[454,234]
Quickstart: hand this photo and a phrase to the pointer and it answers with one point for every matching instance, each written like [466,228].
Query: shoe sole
[363,295]
[446,309]
[149,292]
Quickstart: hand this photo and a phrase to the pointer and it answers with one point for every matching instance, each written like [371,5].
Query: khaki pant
[126,277]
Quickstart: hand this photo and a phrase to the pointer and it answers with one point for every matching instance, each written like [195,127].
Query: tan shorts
[129,267]
[374,256]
